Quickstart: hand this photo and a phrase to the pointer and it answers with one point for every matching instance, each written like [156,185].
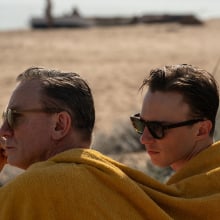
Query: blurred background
[113,45]
[15,14]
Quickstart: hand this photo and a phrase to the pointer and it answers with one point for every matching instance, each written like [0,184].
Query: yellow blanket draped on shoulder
[84,184]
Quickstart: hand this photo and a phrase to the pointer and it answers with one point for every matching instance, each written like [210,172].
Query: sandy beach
[114,60]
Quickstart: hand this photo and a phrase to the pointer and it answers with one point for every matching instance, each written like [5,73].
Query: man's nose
[5,129]
[146,137]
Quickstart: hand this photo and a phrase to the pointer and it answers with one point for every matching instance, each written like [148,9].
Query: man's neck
[199,147]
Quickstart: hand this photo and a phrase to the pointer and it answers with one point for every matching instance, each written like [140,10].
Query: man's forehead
[164,105]
[164,97]
[25,93]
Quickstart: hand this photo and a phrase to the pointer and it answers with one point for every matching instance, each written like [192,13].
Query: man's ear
[204,128]
[61,125]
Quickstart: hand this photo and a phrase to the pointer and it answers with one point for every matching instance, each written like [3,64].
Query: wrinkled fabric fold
[84,184]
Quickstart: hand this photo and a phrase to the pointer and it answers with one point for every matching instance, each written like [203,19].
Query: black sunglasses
[157,128]
[10,115]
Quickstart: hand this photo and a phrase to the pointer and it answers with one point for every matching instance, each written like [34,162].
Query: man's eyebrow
[157,121]
[15,107]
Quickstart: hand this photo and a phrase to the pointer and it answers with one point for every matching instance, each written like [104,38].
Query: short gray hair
[65,90]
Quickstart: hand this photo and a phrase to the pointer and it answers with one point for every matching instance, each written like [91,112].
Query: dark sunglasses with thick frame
[156,128]
[10,115]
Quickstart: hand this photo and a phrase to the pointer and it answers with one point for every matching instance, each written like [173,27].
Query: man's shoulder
[207,162]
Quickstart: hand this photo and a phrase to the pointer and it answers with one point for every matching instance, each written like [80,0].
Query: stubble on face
[29,142]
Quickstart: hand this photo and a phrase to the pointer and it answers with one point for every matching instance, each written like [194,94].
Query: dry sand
[114,60]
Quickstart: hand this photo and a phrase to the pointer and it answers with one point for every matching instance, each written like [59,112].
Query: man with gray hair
[47,128]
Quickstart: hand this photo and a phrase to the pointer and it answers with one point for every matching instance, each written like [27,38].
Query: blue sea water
[16,14]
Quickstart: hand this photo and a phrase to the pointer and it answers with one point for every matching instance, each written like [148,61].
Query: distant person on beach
[47,130]
[75,12]
[48,13]
[177,119]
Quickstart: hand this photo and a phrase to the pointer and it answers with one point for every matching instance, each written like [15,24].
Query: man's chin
[159,164]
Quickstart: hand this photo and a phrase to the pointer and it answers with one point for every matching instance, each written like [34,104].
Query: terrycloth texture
[83,184]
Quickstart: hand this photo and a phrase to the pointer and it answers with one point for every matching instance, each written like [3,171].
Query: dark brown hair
[198,87]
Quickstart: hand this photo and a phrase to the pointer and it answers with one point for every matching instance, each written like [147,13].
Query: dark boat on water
[61,22]
[75,20]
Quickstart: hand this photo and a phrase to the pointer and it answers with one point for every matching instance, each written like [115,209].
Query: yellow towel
[84,184]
